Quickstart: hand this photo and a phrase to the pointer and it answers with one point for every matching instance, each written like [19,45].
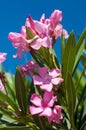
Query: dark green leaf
[21,93]
[71,98]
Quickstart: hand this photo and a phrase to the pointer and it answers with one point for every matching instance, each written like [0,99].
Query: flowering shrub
[53,97]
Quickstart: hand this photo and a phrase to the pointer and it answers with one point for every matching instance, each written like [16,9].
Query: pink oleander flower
[41,30]
[40,106]
[2,57]
[56,115]
[29,68]
[47,79]
[44,33]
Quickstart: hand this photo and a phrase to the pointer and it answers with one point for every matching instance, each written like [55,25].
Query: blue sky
[13,14]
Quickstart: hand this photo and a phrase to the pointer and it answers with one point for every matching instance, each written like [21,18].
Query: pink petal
[47,42]
[57,81]
[48,98]
[40,27]
[36,45]
[35,99]
[35,110]
[30,24]
[42,19]
[47,87]
[47,112]
[65,33]
[52,101]
[55,72]
[37,80]
[56,17]
[43,72]
[57,31]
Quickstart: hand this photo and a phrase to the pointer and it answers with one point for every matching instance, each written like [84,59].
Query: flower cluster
[42,33]
[46,80]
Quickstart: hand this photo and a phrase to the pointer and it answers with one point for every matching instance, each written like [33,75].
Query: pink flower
[43,107]
[41,31]
[2,57]
[56,115]
[46,79]
[29,68]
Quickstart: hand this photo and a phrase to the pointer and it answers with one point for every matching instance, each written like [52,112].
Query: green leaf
[79,48]
[10,102]
[10,87]
[79,52]
[68,57]
[21,93]
[71,98]
[81,38]
[63,43]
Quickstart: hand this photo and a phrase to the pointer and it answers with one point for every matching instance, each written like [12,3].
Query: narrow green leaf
[63,43]
[79,48]
[79,52]
[71,98]
[21,93]
[81,38]
[68,57]
[10,85]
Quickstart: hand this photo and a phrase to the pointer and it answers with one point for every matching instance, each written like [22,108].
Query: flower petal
[37,44]
[57,81]
[43,72]
[47,87]
[35,99]
[37,80]
[49,98]
[35,110]
[47,112]
[55,72]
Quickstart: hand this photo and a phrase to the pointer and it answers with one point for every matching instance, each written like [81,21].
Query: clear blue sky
[13,14]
